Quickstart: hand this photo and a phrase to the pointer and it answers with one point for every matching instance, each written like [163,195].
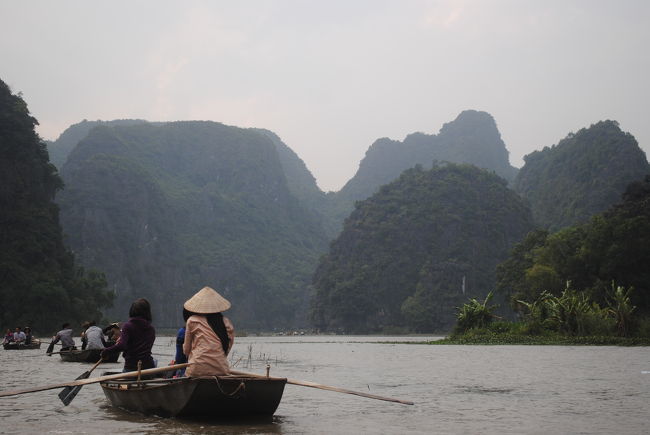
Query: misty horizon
[330,79]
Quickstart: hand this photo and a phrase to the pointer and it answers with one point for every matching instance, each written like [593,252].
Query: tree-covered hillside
[165,209]
[584,174]
[40,286]
[65,143]
[417,249]
[471,138]
[611,247]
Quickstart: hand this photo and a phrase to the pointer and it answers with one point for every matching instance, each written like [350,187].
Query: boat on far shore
[87,356]
[35,344]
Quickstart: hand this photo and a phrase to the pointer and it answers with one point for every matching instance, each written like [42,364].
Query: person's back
[136,338]
[65,336]
[204,348]
[209,335]
[94,337]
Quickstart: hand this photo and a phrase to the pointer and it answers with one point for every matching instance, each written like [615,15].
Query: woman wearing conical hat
[209,335]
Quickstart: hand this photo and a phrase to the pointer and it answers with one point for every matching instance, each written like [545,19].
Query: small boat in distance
[35,344]
[206,397]
[88,356]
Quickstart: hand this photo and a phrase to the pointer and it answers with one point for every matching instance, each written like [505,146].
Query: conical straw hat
[206,301]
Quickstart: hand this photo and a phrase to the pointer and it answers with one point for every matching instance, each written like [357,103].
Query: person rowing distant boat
[65,336]
[209,335]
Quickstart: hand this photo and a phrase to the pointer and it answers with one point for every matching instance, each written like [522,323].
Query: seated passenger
[94,336]
[209,335]
[136,339]
[9,337]
[28,335]
[112,333]
[19,336]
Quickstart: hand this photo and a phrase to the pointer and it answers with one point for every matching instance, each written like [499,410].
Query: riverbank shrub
[570,318]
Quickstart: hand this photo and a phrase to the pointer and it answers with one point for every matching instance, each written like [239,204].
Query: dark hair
[140,308]
[215,320]
[65,325]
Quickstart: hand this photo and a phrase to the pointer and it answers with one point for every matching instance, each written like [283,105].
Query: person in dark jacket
[136,338]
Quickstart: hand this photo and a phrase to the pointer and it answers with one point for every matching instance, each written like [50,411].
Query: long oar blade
[95,380]
[69,393]
[330,388]
[50,348]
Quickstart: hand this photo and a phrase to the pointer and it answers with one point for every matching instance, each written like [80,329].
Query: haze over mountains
[165,208]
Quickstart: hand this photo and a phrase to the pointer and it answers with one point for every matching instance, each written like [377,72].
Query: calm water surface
[456,390]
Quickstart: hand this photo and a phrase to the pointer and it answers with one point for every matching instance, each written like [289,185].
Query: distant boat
[212,397]
[35,344]
[88,355]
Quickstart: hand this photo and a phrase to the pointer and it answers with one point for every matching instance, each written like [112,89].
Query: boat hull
[217,397]
[88,356]
[21,346]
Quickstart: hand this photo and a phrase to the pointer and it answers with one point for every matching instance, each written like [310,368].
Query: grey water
[456,389]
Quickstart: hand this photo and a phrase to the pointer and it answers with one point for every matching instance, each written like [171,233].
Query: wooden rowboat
[88,355]
[210,397]
[35,344]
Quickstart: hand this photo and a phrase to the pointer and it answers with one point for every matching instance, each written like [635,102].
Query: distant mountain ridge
[471,138]
[584,174]
[65,143]
[167,208]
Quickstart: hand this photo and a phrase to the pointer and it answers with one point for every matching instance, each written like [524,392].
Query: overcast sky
[331,77]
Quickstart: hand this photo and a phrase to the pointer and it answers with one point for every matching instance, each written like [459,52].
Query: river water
[456,390]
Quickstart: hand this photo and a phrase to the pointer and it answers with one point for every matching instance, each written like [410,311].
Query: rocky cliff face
[471,138]
[65,143]
[165,209]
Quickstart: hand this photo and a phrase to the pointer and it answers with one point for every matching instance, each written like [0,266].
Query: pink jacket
[203,348]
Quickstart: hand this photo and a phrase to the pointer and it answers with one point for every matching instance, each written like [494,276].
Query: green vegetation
[65,143]
[584,174]
[168,208]
[613,246]
[471,138]
[570,318]
[412,252]
[40,286]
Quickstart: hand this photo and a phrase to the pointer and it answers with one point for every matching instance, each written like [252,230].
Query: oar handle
[330,388]
[96,364]
[96,380]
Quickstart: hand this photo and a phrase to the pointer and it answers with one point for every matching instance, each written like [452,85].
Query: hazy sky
[331,77]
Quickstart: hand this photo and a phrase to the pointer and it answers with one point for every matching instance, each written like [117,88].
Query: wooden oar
[95,380]
[329,388]
[69,393]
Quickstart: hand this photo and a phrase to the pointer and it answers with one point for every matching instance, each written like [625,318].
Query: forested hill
[584,174]
[40,286]
[417,249]
[65,143]
[166,209]
[611,249]
[472,138]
